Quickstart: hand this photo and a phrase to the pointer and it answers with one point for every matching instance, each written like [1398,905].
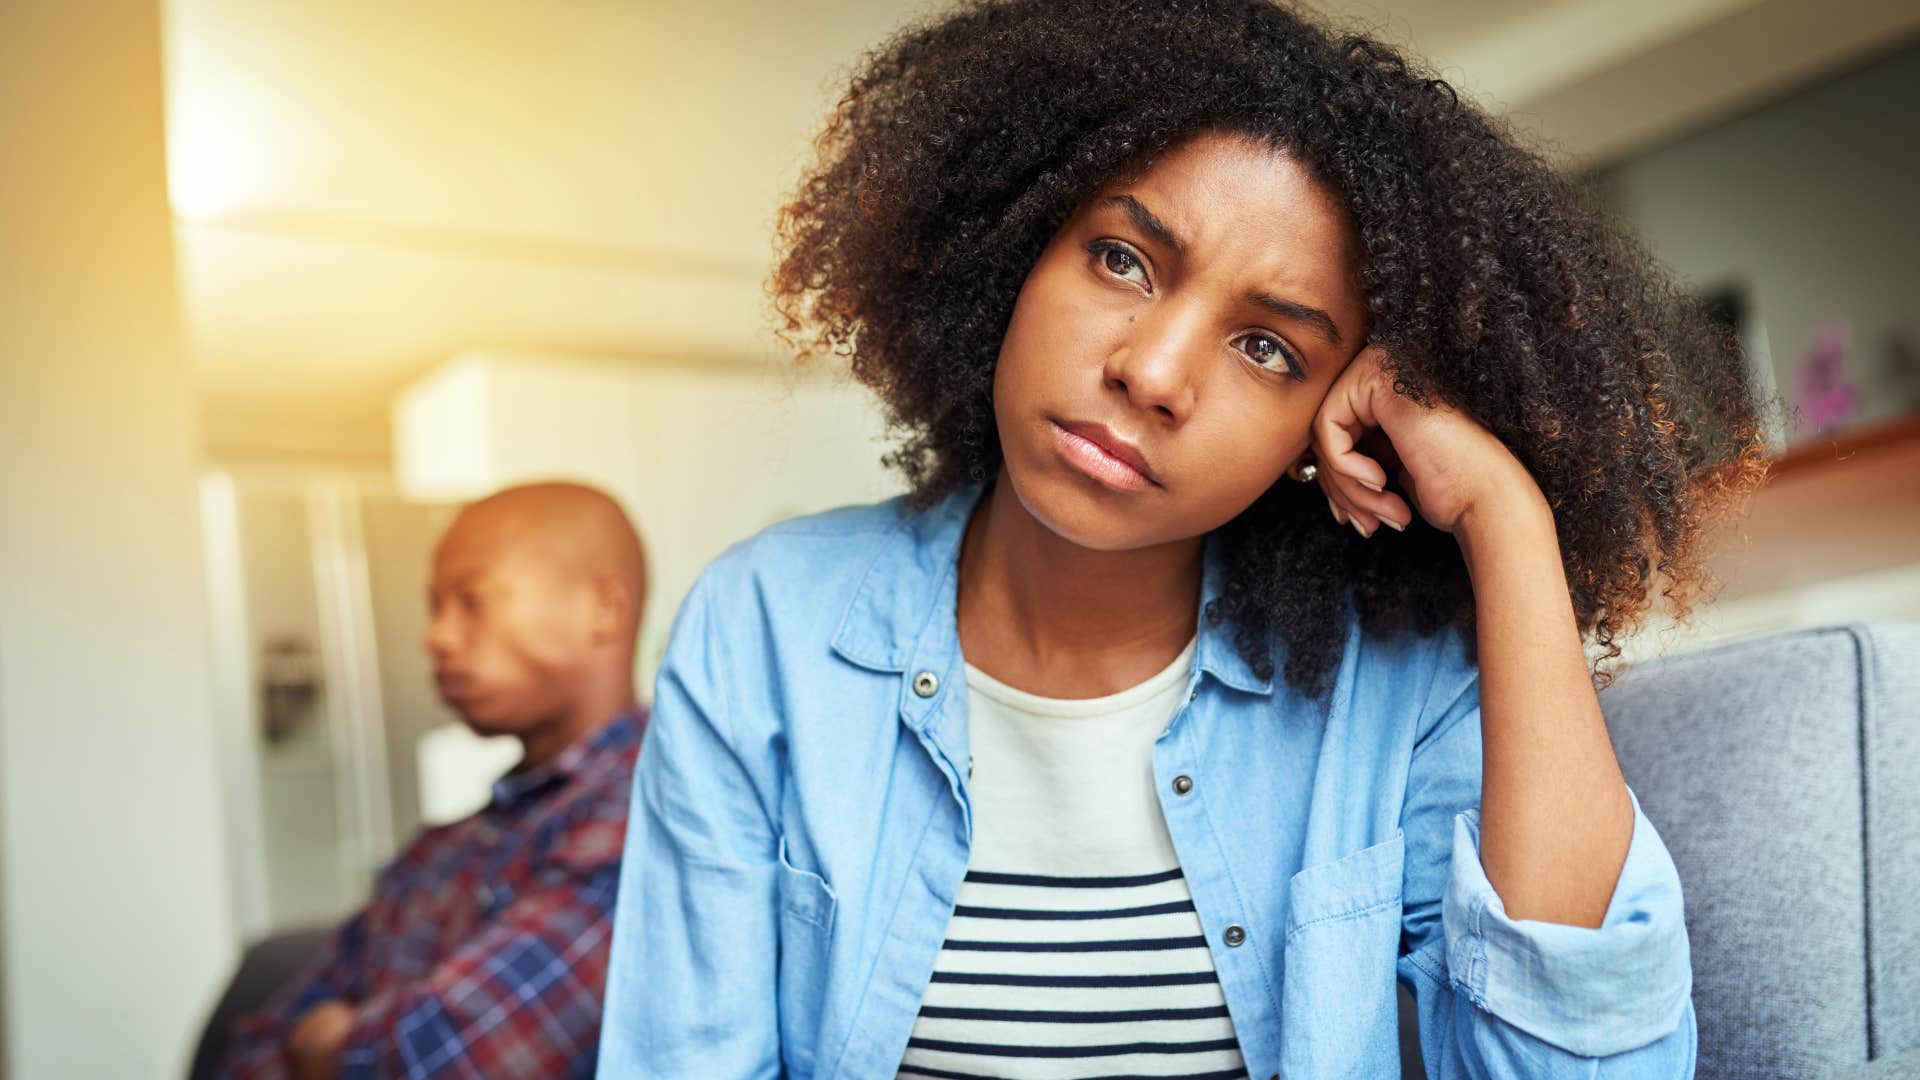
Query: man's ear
[615,608]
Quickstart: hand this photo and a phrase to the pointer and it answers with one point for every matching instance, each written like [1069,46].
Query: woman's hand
[1555,817]
[1444,460]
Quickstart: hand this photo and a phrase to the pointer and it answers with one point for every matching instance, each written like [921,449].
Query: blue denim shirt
[800,827]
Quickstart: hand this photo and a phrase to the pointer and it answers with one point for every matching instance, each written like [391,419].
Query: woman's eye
[1121,263]
[1267,351]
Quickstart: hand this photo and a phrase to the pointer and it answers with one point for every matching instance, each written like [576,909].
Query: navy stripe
[982,877]
[1134,945]
[1027,1016]
[1113,913]
[990,1050]
[951,1075]
[1184,978]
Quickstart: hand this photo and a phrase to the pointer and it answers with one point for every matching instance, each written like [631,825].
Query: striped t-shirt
[1074,949]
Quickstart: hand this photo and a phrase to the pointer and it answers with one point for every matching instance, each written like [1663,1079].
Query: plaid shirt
[484,951]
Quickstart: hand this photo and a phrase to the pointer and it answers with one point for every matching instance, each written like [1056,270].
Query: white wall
[1807,203]
[1892,594]
[114,925]
[702,455]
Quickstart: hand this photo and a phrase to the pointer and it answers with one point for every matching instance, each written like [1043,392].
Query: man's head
[535,601]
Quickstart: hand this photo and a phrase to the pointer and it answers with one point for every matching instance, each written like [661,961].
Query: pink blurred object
[1822,393]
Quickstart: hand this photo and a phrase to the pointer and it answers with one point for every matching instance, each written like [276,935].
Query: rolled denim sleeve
[1505,997]
[1593,990]
[691,982]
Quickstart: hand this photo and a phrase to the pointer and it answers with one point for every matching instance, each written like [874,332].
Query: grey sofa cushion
[1891,680]
[1784,774]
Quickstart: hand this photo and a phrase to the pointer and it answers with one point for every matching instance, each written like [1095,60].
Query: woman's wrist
[1511,512]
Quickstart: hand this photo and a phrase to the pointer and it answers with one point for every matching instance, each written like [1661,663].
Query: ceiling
[364,189]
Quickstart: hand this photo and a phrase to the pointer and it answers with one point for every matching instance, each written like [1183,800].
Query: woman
[1116,749]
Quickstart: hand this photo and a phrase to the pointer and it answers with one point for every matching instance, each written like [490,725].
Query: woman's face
[1173,342]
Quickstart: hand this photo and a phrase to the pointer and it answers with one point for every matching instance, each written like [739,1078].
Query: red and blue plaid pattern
[484,951]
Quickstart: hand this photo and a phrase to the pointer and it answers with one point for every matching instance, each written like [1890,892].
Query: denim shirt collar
[902,614]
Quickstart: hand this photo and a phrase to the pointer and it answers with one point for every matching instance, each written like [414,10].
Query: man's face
[1172,344]
[509,633]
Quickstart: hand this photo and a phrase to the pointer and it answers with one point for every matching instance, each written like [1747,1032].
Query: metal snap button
[1236,935]
[925,684]
[1182,784]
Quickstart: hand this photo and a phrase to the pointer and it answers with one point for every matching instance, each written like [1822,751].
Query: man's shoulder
[606,775]
[428,856]
[595,829]
[581,824]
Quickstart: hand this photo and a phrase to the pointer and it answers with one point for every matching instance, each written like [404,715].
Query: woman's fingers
[1342,492]
[1366,506]
[1354,452]
[1344,418]
[1362,470]
[1339,515]
[1339,486]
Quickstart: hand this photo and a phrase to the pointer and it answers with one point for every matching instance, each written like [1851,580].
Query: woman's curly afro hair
[962,145]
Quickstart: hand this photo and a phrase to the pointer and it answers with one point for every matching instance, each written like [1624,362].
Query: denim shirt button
[926,684]
[1235,936]
[1182,784]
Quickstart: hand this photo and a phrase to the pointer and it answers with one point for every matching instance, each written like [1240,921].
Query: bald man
[484,950]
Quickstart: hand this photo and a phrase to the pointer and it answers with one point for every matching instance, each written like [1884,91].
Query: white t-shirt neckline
[1073,708]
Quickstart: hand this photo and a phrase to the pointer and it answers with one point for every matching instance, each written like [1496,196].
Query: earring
[1304,473]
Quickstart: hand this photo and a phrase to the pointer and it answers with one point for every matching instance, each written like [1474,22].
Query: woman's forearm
[1555,817]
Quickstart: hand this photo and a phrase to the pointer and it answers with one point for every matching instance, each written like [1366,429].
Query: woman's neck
[1050,617]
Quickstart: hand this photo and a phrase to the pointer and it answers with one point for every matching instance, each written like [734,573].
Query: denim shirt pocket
[806,931]
[1339,1012]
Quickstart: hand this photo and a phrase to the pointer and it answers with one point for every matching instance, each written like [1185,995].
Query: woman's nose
[1157,360]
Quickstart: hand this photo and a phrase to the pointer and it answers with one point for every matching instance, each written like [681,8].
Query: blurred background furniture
[267,966]
[1783,772]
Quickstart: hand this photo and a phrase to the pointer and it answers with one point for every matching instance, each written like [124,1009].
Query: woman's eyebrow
[1320,321]
[1144,219]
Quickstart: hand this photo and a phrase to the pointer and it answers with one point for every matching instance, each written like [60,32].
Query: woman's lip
[1094,450]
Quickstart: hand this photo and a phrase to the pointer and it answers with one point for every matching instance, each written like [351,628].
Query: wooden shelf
[1832,507]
